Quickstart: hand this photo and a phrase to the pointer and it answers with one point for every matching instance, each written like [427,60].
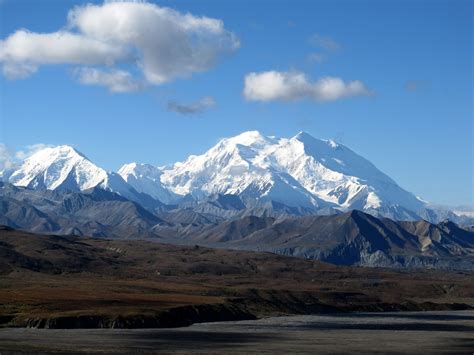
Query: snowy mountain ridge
[56,167]
[65,168]
[146,178]
[300,171]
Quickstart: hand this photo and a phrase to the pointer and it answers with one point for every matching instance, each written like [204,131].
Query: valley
[78,282]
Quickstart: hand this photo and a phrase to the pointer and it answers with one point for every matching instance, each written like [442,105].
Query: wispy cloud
[10,159]
[29,150]
[326,47]
[293,86]
[196,107]
[6,158]
[316,57]
[324,42]
[115,80]
[415,85]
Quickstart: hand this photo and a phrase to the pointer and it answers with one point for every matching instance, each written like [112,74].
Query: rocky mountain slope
[351,238]
[93,212]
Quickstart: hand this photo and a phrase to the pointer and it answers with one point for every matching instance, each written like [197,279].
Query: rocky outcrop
[174,317]
[244,309]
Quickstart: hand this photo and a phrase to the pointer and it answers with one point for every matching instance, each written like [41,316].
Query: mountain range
[260,174]
[300,196]
[350,238]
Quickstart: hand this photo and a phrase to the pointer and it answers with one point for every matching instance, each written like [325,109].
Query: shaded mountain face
[94,212]
[351,238]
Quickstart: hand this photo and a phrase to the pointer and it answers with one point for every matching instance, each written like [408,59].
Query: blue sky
[414,57]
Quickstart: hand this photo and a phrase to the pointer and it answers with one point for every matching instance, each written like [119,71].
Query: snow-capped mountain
[235,167]
[336,174]
[146,178]
[299,171]
[302,172]
[64,168]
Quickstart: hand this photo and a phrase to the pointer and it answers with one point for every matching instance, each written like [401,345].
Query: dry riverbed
[401,332]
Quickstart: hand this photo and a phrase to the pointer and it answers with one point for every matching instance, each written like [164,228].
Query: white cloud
[6,158]
[163,43]
[115,80]
[291,86]
[29,150]
[18,70]
[324,42]
[10,160]
[192,108]
[23,52]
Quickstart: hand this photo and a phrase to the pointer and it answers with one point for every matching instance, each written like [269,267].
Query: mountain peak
[252,133]
[305,137]
[134,171]
[145,178]
[249,138]
[302,135]
[66,148]
[58,167]
[304,170]
[138,169]
[51,155]
[56,151]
